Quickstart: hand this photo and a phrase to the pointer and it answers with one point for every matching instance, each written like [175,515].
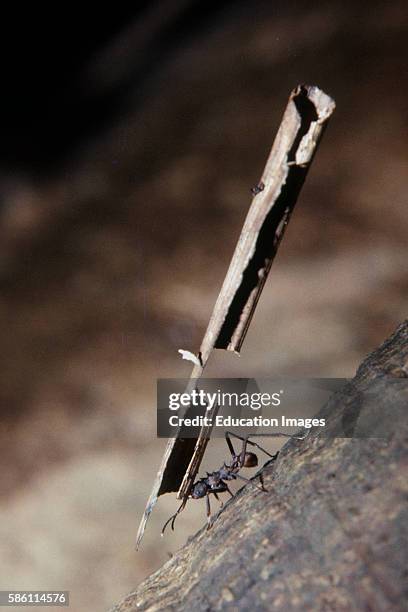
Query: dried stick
[302,125]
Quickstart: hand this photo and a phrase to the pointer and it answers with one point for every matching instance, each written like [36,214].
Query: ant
[215,482]
[257,189]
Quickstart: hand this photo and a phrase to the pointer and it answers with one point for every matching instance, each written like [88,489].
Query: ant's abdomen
[250,460]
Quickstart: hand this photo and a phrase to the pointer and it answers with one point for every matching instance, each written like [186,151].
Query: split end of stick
[302,126]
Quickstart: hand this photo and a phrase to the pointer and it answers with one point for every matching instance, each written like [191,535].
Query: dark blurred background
[129,141]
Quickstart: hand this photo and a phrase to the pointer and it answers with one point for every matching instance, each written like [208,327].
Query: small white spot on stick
[189,356]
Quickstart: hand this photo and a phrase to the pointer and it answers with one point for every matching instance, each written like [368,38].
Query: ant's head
[199,490]
[250,460]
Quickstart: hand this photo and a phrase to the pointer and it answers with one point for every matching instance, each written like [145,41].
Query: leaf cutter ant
[216,482]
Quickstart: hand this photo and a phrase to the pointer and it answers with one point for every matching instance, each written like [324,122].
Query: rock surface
[331,532]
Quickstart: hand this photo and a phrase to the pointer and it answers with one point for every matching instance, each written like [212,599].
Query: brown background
[117,225]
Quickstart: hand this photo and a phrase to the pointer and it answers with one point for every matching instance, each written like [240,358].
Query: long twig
[275,196]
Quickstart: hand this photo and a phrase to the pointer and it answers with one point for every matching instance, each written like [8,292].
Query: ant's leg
[209,518]
[229,490]
[250,481]
[272,435]
[268,435]
[245,441]
[173,517]
[218,499]
[241,457]
[230,446]
[276,435]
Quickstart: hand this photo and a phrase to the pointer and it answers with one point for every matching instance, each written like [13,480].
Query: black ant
[258,188]
[215,482]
